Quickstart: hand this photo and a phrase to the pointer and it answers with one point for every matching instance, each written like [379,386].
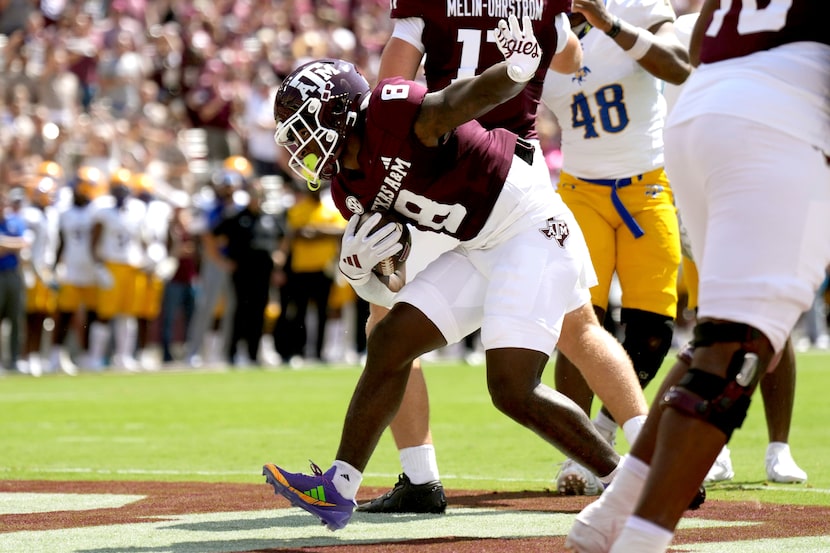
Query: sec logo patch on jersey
[354,205]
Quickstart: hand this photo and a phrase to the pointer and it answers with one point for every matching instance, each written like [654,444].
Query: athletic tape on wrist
[641,45]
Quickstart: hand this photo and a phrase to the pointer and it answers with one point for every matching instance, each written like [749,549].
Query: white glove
[361,251]
[519,47]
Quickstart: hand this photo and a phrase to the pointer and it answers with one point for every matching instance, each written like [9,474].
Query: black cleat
[699,499]
[407,497]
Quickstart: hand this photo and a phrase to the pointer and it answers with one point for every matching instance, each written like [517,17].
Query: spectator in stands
[266,157]
[213,105]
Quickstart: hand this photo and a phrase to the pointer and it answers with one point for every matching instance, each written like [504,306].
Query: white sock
[627,485]
[347,479]
[604,423]
[631,428]
[642,536]
[774,448]
[99,336]
[125,336]
[419,463]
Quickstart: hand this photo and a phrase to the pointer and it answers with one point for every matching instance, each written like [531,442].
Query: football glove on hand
[519,48]
[360,251]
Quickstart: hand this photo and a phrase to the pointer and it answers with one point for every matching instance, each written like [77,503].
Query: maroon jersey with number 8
[450,188]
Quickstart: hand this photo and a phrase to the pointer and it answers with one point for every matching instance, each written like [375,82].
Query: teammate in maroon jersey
[763,84]
[459,44]
[521,265]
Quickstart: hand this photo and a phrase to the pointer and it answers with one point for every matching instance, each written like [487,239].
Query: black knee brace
[722,402]
[647,340]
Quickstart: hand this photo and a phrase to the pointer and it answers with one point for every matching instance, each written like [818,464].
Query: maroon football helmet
[315,108]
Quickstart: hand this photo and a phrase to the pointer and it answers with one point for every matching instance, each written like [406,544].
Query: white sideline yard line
[281,528]
[258,530]
[89,470]
[444,477]
[225,532]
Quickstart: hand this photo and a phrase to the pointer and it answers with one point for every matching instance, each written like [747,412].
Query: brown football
[391,264]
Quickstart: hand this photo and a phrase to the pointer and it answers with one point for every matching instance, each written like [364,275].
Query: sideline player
[611,114]
[41,218]
[75,269]
[156,265]
[763,81]
[462,46]
[118,251]
[210,326]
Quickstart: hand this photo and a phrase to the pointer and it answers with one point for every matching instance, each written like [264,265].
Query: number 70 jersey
[611,111]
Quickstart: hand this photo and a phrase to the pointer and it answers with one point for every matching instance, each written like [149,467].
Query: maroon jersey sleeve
[450,188]
[458,41]
[736,30]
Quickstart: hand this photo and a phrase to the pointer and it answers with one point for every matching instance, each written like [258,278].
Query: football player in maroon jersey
[521,264]
[454,44]
[762,83]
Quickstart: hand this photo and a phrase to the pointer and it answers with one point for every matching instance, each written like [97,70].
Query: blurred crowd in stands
[170,102]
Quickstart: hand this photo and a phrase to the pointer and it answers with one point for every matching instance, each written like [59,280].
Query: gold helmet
[50,169]
[42,190]
[142,184]
[121,177]
[239,164]
[89,182]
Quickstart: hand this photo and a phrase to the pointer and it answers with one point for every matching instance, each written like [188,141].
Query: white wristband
[641,45]
[374,291]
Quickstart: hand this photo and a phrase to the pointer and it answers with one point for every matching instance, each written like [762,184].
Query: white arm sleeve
[410,29]
[376,292]
[562,25]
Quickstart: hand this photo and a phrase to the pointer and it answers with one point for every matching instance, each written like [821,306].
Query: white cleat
[781,466]
[596,527]
[35,367]
[64,363]
[125,363]
[721,469]
[574,479]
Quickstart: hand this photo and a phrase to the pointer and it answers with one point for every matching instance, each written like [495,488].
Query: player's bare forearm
[462,101]
[12,243]
[667,59]
[569,60]
[399,59]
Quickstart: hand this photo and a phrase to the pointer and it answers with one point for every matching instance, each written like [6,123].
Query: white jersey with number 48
[611,105]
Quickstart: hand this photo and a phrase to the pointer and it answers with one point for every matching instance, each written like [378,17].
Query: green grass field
[223,425]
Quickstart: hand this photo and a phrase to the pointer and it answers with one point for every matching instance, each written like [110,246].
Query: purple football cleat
[316,494]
